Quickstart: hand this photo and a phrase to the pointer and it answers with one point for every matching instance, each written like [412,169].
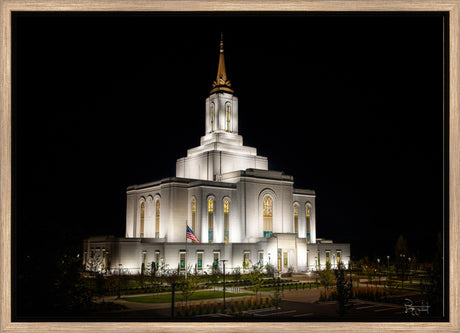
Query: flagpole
[186,252]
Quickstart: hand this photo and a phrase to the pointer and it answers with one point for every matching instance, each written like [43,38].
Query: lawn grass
[166,298]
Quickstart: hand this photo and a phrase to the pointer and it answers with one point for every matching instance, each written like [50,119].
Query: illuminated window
[226,230]
[210,220]
[193,214]
[296,220]
[227,116]
[268,216]
[212,117]
[182,261]
[327,257]
[308,223]
[285,259]
[246,260]
[279,259]
[216,258]
[199,261]
[157,219]
[142,219]
[157,259]
[338,257]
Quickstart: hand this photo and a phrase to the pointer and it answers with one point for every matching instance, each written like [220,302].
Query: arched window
[193,214]
[227,116]
[210,220]
[268,216]
[308,213]
[296,220]
[211,116]
[157,219]
[226,229]
[142,219]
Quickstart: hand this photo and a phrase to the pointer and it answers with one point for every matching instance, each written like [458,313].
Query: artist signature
[415,310]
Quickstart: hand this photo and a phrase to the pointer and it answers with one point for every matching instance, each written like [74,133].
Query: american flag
[191,235]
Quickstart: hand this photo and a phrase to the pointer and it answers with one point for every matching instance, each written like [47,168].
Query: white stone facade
[221,150]
[229,173]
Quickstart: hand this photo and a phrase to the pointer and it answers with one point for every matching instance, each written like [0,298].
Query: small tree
[277,296]
[112,284]
[401,246]
[162,271]
[237,274]
[215,274]
[100,286]
[369,271]
[344,289]
[151,271]
[70,292]
[270,269]
[256,278]
[141,277]
[189,286]
[327,277]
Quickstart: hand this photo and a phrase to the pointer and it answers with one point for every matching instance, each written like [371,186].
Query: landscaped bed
[166,298]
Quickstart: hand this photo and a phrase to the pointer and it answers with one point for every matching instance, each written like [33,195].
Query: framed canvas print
[224,166]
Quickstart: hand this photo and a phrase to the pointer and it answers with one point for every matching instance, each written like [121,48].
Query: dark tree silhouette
[344,289]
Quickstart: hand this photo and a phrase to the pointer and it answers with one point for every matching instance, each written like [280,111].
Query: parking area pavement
[295,305]
[302,311]
[375,309]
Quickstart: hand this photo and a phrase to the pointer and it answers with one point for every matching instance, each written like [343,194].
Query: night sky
[350,105]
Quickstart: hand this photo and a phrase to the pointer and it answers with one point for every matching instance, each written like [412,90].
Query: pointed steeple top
[221,83]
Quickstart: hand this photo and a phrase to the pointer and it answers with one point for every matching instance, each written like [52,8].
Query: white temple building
[238,209]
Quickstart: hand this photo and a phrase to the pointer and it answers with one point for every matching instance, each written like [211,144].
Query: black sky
[350,105]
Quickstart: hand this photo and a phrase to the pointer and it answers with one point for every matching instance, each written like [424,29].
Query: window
[296,220]
[227,116]
[246,260]
[279,259]
[285,260]
[338,257]
[157,219]
[268,216]
[261,259]
[182,261]
[210,220]
[157,260]
[199,261]
[226,231]
[327,257]
[308,212]
[142,219]
[211,116]
[215,261]
[193,214]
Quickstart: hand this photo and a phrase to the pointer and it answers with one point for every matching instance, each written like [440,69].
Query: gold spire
[221,83]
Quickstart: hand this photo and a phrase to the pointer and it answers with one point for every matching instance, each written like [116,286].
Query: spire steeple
[221,83]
